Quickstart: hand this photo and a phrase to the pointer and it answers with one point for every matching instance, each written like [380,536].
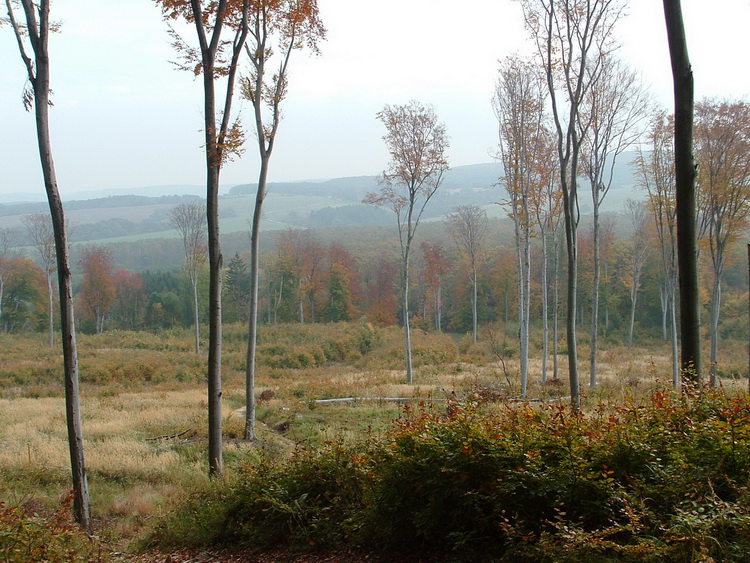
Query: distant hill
[313,204]
[355,188]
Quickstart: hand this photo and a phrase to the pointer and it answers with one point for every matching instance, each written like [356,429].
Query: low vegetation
[459,471]
[659,479]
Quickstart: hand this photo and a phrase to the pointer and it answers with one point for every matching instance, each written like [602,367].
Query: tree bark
[196,314]
[407,329]
[215,261]
[596,290]
[38,74]
[545,306]
[685,196]
[252,337]
[51,304]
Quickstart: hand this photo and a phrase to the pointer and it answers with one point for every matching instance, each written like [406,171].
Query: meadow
[144,411]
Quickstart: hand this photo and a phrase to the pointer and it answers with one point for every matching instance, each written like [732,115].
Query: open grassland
[144,405]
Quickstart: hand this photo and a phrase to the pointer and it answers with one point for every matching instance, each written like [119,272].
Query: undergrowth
[27,536]
[660,479]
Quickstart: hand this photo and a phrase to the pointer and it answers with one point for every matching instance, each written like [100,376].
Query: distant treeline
[99,203]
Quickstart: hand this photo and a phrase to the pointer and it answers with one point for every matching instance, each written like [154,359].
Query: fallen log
[168,436]
[378,399]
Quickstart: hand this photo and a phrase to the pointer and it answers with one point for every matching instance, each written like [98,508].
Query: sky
[124,117]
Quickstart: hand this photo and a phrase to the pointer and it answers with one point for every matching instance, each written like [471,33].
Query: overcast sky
[124,117]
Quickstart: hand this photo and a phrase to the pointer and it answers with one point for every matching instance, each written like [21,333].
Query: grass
[137,387]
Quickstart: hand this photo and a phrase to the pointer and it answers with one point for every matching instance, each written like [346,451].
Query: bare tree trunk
[570,321]
[545,307]
[673,334]
[664,303]
[715,309]
[38,74]
[556,303]
[196,313]
[687,246]
[633,298]
[526,312]
[474,281]
[51,304]
[595,296]
[407,330]
[252,338]
[216,264]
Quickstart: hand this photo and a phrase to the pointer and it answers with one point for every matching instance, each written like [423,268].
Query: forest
[415,367]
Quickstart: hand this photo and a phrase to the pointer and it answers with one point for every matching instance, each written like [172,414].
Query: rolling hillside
[329,203]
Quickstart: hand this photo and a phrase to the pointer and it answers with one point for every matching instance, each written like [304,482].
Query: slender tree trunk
[216,262]
[556,304]
[633,298]
[571,240]
[51,304]
[685,197]
[196,313]
[252,337]
[526,312]
[595,296]
[81,499]
[715,309]
[407,330]
[545,307]
[474,281]
[664,302]
[673,333]
[523,281]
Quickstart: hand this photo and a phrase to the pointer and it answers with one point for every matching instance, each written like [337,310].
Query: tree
[98,289]
[216,58]
[303,254]
[572,38]
[685,197]
[340,306]
[7,253]
[417,144]
[381,287]
[33,42]
[468,227]
[519,106]
[22,294]
[722,151]
[288,25]
[547,208]
[637,214]
[339,254]
[130,299]
[39,227]
[190,221]
[612,111]
[656,168]
[436,266]
[237,287]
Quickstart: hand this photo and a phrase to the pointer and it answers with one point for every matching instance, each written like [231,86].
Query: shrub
[665,479]
[28,537]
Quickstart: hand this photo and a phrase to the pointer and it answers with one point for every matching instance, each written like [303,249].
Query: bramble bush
[661,479]
[30,538]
